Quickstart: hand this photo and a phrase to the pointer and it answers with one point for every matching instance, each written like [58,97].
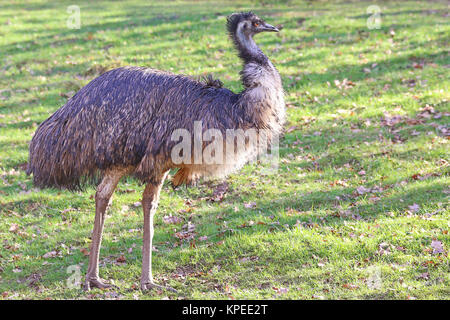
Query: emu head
[248,24]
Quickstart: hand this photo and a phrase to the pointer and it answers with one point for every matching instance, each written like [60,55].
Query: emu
[121,123]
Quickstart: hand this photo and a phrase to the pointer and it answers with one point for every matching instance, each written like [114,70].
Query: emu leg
[150,200]
[102,197]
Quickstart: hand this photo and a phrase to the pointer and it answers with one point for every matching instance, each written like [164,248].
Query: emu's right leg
[102,197]
[150,200]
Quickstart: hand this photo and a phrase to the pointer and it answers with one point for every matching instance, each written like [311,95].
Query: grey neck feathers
[247,48]
[258,70]
[262,99]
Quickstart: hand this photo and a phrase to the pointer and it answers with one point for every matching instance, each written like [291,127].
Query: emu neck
[249,52]
[262,98]
[258,70]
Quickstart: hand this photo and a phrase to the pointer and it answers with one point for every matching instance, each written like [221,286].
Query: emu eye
[256,24]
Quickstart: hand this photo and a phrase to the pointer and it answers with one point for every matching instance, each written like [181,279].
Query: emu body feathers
[125,118]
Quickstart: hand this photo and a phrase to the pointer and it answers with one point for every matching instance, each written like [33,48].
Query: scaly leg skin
[150,200]
[96,283]
[102,197]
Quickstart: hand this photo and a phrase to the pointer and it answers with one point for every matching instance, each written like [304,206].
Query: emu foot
[96,283]
[149,285]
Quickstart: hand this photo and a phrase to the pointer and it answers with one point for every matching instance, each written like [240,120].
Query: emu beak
[268,27]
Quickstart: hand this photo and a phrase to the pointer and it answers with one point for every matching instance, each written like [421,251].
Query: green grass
[357,199]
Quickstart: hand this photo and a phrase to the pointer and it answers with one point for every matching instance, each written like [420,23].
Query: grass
[358,208]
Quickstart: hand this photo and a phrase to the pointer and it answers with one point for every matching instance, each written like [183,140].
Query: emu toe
[96,283]
[145,286]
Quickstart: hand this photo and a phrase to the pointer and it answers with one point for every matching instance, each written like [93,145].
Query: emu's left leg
[103,196]
[149,204]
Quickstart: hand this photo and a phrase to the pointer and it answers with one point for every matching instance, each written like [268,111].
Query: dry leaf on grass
[437,247]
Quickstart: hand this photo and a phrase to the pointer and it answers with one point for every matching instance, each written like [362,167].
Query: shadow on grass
[319,208]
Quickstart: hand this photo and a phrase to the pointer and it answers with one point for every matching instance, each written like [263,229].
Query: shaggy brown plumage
[125,118]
